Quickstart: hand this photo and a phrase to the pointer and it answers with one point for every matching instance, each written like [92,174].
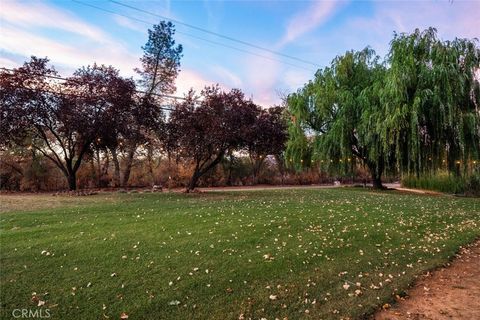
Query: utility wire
[203,39]
[73,95]
[136,91]
[246,51]
[79,96]
[216,34]
[194,36]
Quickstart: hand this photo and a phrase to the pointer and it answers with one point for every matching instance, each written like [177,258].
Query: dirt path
[266,187]
[452,292]
[313,186]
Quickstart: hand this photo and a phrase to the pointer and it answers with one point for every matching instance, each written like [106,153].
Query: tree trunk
[93,172]
[229,177]
[193,181]
[377,182]
[254,171]
[281,167]
[201,170]
[71,173]
[229,169]
[106,165]
[150,163]
[257,166]
[104,177]
[376,171]
[116,164]
[128,164]
[99,168]
[72,181]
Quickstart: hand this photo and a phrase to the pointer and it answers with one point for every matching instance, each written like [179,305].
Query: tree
[160,61]
[143,119]
[61,120]
[160,67]
[432,101]
[333,118]
[266,136]
[203,131]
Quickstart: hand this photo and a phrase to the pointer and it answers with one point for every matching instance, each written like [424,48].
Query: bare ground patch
[452,292]
[31,201]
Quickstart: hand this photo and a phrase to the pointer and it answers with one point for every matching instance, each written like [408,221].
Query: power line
[246,51]
[73,95]
[136,91]
[206,31]
[217,34]
[79,96]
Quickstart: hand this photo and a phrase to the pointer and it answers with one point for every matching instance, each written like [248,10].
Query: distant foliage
[445,182]
[417,112]
[161,60]
[61,121]
[432,102]
[203,130]
[334,116]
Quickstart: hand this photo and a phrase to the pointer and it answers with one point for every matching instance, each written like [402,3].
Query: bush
[445,182]
[473,185]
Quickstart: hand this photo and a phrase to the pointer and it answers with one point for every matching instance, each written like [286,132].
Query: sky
[299,36]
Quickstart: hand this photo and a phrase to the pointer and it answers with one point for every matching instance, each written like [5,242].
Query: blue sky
[73,35]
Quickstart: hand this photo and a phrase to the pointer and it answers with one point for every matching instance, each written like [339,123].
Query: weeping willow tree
[431,99]
[335,116]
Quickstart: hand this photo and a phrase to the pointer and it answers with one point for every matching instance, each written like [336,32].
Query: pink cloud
[37,14]
[71,57]
[190,79]
[315,15]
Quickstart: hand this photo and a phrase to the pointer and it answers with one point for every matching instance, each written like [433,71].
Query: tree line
[97,111]
[415,112]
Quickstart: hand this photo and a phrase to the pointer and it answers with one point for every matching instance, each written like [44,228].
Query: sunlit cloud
[7,63]
[129,24]
[25,43]
[228,77]
[190,79]
[37,14]
[72,40]
[307,20]
[261,79]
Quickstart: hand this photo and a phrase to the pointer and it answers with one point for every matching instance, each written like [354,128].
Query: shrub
[445,182]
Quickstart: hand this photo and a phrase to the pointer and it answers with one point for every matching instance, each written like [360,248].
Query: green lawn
[301,254]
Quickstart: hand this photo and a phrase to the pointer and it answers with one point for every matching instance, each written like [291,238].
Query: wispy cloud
[214,10]
[129,24]
[24,43]
[228,77]
[318,13]
[190,79]
[7,63]
[261,79]
[457,19]
[37,14]
[452,19]
[27,29]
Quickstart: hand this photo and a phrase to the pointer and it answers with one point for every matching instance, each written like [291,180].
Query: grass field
[301,254]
